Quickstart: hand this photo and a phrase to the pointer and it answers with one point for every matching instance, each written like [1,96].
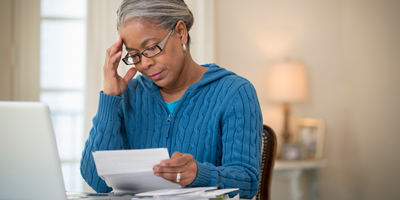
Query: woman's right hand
[113,83]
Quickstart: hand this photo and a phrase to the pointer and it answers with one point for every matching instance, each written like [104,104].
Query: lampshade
[287,82]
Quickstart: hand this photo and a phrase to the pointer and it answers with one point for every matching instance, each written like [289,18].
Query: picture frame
[292,151]
[311,133]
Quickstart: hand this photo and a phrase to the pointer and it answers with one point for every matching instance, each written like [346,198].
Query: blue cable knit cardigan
[218,120]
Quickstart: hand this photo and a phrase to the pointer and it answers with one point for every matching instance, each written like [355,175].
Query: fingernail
[163,164]
[157,169]
[157,174]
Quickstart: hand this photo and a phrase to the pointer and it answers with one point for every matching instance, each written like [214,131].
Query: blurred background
[53,51]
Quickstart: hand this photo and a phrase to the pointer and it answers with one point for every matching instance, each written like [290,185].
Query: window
[62,79]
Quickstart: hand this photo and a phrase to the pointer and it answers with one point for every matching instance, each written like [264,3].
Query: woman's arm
[107,133]
[241,139]
[241,128]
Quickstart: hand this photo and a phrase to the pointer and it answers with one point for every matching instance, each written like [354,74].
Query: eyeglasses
[148,53]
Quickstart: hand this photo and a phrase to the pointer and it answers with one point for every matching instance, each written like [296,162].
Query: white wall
[351,51]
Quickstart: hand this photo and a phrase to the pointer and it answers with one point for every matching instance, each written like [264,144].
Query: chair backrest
[267,165]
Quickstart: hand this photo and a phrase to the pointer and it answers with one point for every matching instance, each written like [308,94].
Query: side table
[292,171]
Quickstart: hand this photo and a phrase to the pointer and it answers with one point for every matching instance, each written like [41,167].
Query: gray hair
[163,13]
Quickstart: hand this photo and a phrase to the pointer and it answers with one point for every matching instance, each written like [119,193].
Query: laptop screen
[30,166]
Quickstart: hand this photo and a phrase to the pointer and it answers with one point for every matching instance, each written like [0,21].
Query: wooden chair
[267,164]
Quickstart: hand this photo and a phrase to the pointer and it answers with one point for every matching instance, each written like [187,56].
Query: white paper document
[176,191]
[131,171]
[196,193]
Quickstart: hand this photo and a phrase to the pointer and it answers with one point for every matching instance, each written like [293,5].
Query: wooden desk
[292,171]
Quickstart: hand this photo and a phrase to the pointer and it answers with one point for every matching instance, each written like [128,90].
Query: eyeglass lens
[150,52]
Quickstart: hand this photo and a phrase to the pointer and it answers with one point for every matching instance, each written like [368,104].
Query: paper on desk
[188,193]
[207,194]
[218,192]
[128,171]
[175,191]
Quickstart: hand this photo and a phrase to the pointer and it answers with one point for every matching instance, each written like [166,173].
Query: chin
[161,83]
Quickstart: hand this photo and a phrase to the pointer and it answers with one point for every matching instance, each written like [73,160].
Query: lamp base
[286,132]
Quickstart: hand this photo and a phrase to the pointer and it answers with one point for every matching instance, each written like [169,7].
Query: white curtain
[101,34]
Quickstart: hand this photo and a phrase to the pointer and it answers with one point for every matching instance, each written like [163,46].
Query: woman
[208,118]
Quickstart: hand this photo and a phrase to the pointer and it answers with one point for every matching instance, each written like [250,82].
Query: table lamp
[286,83]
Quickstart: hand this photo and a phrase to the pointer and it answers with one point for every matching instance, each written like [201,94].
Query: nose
[146,62]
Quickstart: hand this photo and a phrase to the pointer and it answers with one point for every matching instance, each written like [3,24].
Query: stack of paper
[96,196]
[198,193]
[131,171]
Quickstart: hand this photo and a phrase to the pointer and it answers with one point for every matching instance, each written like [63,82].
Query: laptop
[30,166]
[29,163]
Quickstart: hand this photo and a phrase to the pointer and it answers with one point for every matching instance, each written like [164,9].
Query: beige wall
[5,50]
[372,45]
[351,50]
[19,54]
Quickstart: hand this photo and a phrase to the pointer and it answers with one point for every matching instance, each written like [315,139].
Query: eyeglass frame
[160,46]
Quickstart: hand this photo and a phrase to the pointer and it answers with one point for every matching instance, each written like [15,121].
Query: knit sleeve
[241,140]
[107,133]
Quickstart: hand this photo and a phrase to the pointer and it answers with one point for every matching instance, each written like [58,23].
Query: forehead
[137,33]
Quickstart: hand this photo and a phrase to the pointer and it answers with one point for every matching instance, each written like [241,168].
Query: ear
[181,30]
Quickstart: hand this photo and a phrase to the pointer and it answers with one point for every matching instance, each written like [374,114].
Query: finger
[161,169]
[188,167]
[130,74]
[188,173]
[173,177]
[181,160]
[107,58]
[113,54]
[110,59]
[184,163]
[114,60]
[116,47]
[175,155]
[108,53]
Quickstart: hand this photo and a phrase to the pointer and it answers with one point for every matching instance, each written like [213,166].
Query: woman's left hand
[184,164]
